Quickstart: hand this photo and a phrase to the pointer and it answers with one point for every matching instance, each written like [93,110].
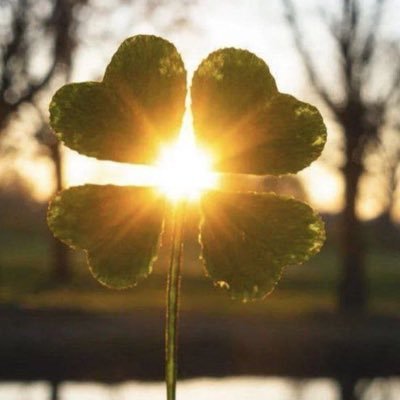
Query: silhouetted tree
[28,27]
[362,107]
[391,162]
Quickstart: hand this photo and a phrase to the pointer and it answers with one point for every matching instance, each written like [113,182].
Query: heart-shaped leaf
[284,137]
[248,126]
[91,119]
[227,88]
[119,227]
[248,238]
[138,106]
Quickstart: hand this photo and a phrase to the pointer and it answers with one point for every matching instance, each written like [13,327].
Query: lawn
[307,289]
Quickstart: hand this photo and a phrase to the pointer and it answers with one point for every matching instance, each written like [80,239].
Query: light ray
[184,170]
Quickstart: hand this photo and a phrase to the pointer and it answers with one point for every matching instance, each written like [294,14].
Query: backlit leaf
[138,106]
[246,124]
[248,238]
[283,137]
[227,89]
[119,227]
[91,119]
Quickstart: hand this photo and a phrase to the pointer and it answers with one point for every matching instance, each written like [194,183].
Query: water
[243,388]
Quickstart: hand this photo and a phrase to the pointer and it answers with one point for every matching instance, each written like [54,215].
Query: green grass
[308,289]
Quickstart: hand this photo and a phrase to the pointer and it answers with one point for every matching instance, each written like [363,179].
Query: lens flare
[184,170]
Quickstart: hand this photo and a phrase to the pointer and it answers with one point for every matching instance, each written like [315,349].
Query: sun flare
[184,170]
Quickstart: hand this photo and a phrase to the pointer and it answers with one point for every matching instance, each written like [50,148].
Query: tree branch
[59,22]
[292,18]
[18,28]
[370,40]
[393,94]
[346,40]
[35,88]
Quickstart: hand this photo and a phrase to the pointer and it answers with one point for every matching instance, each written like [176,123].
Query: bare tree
[391,165]
[363,109]
[27,26]
[34,31]
[27,29]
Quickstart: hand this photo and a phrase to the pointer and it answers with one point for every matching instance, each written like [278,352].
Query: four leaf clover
[238,114]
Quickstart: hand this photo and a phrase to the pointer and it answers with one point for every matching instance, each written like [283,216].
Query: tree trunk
[54,392]
[353,286]
[60,264]
[348,388]
[4,114]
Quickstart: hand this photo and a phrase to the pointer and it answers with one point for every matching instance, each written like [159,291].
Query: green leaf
[138,106]
[246,124]
[294,136]
[149,75]
[91,119]
[248,238]
[119,227]
[227,88]
[283,137]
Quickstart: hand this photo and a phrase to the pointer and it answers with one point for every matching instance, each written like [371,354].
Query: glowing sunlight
[184,170]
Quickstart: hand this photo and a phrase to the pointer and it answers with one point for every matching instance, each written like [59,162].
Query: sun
[184,170]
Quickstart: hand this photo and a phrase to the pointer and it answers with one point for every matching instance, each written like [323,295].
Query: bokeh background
[331,329]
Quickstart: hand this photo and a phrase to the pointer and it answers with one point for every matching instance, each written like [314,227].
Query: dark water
[244,388]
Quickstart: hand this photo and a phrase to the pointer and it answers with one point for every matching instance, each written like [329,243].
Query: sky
[256,25]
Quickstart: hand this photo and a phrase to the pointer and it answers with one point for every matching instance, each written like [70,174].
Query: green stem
[173,286]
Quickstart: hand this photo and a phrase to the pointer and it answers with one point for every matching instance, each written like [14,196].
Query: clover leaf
[126,117]
[106,221]
[240,117]
[238,114]
[248,238]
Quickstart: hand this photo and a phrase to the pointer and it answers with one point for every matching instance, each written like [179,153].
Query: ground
[303,290]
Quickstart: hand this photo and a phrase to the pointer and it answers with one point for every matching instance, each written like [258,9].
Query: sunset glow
[184,170]
[219,29]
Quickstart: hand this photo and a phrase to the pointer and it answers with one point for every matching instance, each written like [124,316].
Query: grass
[25,282]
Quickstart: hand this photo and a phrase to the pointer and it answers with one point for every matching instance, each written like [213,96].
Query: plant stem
[173,287]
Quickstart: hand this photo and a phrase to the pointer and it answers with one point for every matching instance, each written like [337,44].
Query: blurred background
[331,329]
